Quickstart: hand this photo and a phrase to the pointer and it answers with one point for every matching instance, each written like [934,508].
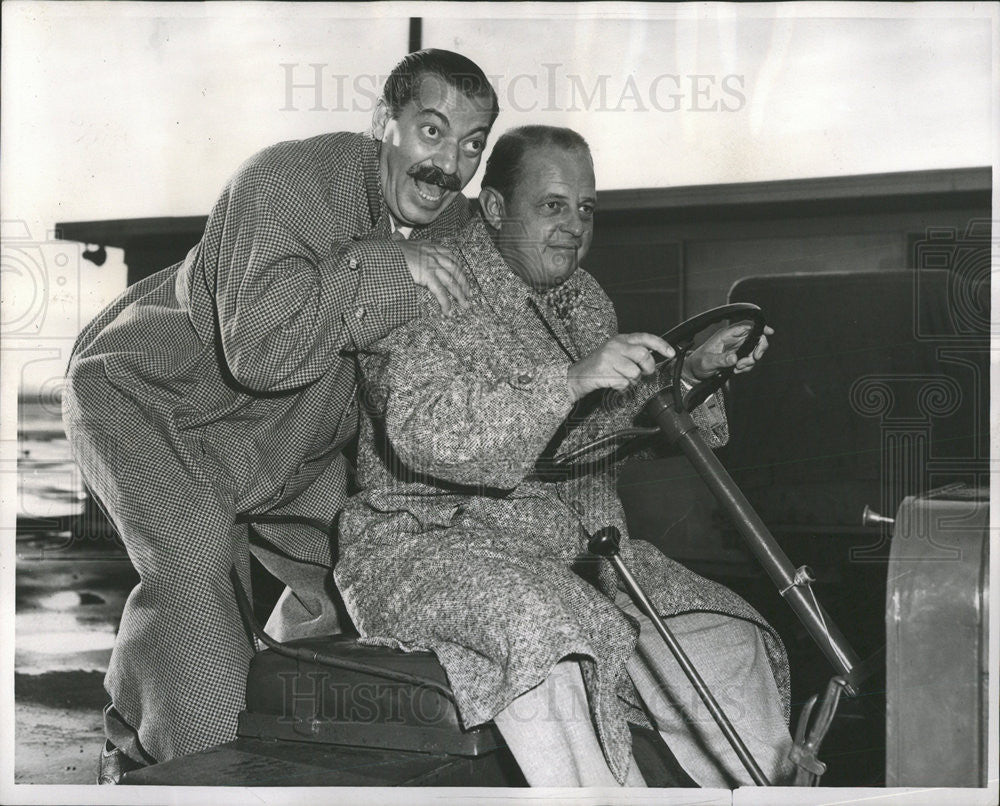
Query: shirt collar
[394,227]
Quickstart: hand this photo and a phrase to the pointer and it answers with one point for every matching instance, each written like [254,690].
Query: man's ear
[491,202]
[379,118]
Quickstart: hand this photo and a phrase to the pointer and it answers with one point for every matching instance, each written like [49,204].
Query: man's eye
[587,211]
[552,205]
[474,148]
[429,130]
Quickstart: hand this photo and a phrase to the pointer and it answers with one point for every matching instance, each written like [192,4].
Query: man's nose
[574,224]
[446,157]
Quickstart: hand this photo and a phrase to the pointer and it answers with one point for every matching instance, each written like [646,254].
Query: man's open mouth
[427,191]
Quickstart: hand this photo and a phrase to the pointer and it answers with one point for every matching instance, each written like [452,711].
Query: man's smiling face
[545,229]
[430,150]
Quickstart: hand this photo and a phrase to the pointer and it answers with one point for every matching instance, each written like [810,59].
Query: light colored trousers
[305,607]
[550,733]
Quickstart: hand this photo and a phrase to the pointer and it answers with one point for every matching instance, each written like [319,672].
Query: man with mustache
[222,388]
[457,545]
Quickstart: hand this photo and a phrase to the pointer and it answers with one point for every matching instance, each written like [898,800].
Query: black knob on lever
[605,542]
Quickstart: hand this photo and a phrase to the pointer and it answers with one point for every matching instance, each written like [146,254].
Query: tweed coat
[457,545]
[225,384]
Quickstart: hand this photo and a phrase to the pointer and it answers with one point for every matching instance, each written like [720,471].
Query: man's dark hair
[406,80]
[503,169]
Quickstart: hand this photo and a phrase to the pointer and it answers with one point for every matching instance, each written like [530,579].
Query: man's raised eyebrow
[483,130]
[432,111]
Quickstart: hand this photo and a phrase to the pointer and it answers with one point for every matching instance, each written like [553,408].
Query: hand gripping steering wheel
[681,338]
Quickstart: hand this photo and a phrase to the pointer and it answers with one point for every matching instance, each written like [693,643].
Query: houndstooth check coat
[225,384]
[458,546]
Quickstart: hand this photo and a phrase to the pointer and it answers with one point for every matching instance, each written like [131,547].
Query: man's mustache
[435,176]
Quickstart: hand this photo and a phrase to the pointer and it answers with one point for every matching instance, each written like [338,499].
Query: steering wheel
[681,338]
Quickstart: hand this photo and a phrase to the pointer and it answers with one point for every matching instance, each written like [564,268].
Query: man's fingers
[445,258]
[734,334]
[650,342]
[647,363]
[437,268]
[641,356]
[761,348]
[747,363]
[459,276]
[451,284]
[442,296]
[628,370]
[446,263]
[463,283]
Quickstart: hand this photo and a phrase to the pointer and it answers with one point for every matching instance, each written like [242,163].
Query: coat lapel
[377,212]
[555,325]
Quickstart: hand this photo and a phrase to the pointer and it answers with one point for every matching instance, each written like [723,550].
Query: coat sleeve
[456,412]
[292,288]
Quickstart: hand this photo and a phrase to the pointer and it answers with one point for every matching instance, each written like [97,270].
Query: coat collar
[511,299]
[369,170]
[450,220]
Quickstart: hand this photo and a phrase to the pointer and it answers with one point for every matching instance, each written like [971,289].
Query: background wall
[126,110]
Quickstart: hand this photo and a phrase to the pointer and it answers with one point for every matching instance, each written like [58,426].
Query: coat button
[359,313]
[524,378]
[352,263]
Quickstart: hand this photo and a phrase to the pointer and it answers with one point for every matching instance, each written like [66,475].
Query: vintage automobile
[329,711]
[873,398]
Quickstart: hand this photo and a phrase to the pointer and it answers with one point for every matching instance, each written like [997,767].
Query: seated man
[456,545]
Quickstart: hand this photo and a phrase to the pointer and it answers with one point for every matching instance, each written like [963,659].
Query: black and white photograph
[488,402]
